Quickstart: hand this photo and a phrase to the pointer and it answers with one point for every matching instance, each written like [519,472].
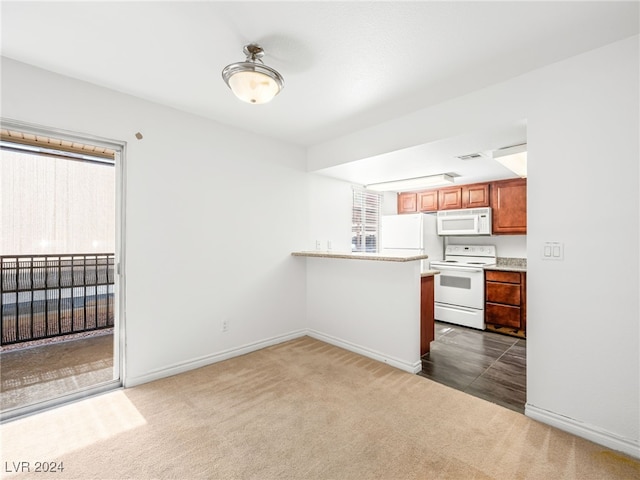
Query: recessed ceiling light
[514,158]
[408,184]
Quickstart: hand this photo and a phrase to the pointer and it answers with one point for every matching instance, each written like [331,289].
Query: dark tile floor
[484,364]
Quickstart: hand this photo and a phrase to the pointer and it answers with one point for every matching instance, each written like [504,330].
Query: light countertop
[506,264]
[361,256]
[430,273]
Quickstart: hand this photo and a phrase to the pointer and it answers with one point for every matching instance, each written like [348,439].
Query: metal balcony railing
[44,296]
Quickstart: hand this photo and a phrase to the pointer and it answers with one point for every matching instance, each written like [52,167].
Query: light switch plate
[553,251]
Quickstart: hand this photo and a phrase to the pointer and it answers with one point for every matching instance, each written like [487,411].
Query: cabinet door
[450,198]
[475,196]
[427,326]
[428,201]
[523,303]
[509,203]
[407,202]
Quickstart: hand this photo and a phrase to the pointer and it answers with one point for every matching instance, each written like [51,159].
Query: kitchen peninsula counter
[362,256]
[370,303]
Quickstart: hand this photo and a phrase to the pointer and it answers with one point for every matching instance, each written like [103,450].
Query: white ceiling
[347,65]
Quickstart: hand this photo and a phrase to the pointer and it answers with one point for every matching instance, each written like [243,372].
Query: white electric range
[459,289]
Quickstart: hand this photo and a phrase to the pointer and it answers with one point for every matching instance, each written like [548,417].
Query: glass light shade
[253,87]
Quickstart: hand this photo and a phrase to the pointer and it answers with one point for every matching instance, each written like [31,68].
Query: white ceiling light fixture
[409,184]
[514,158]
[252,81]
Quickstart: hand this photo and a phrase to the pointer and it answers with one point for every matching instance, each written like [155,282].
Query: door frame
[119,331]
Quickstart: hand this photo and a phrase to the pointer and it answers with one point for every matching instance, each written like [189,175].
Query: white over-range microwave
[470,221]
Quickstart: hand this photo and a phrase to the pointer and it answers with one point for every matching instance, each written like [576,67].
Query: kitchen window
[365,220]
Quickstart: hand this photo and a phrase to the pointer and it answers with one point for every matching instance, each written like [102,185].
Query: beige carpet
[300,410]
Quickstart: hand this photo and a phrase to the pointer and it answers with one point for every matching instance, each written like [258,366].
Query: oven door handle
[456,269]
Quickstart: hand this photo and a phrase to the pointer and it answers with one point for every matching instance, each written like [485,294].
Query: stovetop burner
[468,255]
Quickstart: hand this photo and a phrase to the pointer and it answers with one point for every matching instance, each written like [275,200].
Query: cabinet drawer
[508,293]
[502,315]
[498,276]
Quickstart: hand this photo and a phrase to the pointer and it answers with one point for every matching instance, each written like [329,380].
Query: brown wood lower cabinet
[506,306]
[427,306]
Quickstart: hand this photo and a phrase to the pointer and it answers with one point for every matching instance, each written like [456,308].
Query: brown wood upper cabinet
[475,195]
[450,198]
[428,201]
[407,202]
[508,199]
[509,202]
[465,196]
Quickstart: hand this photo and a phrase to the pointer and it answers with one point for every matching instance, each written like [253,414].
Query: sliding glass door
[60,253]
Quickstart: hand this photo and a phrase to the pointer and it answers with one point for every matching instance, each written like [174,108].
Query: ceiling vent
[471,156]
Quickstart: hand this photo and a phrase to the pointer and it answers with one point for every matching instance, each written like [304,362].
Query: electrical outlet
[318,244]
[329,245]
[225,325]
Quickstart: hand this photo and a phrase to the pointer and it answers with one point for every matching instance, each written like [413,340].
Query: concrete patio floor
[42,372]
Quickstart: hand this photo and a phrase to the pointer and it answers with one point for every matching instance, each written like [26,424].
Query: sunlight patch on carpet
[55,433]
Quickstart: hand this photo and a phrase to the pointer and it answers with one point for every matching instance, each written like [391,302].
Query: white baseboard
[209,359]
[575,427]
[381,357]
[252,347]
[581,429]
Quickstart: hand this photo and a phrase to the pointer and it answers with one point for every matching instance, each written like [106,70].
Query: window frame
[365,220]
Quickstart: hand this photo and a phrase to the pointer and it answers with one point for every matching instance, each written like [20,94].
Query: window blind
[365,220]
[45,145]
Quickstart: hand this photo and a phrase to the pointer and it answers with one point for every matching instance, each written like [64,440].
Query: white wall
[584,138]
[366,306]
[583,315]
[187,181]
[330,210]
[389,203]
[511,246]
[212,215]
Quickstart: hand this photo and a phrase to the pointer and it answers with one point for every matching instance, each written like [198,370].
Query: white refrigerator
[412,234]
